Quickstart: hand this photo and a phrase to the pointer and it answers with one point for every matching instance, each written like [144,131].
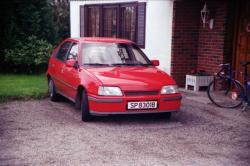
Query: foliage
[22,87]
[47,20]
[21,19]
[29,56]
[61,19]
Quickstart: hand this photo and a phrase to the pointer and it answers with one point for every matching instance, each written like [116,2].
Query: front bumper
[103,105]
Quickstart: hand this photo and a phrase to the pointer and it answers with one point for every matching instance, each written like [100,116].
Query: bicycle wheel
[225,93]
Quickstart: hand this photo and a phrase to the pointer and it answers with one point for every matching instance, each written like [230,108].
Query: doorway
[242,42]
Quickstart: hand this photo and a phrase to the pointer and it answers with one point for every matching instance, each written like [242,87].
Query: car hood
[132,78]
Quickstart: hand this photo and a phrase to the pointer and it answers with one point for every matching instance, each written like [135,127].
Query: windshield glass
[112,54]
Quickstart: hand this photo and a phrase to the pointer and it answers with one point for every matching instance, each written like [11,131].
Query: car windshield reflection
[112,54]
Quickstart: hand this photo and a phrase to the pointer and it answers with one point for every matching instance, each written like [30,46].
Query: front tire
[85,107]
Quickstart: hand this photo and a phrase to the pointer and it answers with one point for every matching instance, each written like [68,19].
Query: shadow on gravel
[138,118]
[132,118]
[184,117]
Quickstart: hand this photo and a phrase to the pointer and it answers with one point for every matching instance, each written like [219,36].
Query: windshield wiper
[96,64]
[129,64]
[116,64]
[120,64]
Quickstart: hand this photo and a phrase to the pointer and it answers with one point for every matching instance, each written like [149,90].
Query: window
[73,52]
[128,22]
[93,21]
[137,53]
[124,20]
[112,54]
[62,53]
[110,26]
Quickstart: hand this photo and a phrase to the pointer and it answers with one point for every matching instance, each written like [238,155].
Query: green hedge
[29,56]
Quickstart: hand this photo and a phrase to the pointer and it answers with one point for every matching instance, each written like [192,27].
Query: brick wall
[186,22]
[211,47]
[194,46]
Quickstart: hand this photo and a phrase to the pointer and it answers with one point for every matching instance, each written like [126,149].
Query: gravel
[42,132]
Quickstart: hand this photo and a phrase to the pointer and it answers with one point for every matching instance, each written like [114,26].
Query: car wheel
[85,107]
[78,100]
[52,91]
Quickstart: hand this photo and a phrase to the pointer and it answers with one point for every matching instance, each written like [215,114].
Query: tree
[61,18]
[46,20]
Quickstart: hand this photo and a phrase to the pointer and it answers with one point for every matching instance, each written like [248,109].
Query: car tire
[52,91]
[78,100]
[85,107]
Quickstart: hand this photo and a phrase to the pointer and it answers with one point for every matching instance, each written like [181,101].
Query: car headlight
[109,91]
[170,89]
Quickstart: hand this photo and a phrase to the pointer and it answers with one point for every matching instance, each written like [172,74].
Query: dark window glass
[110,28]
[116,20]
[128,22]
[62,53]
[94,21]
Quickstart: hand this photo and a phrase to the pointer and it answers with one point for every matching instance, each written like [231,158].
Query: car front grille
[141,93]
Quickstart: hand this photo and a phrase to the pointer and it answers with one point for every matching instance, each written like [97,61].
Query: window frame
[124,5]
[112,6]
[84,23]
[66,55]
[71,46]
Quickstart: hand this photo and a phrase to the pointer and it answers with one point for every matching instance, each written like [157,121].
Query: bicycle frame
[227,73]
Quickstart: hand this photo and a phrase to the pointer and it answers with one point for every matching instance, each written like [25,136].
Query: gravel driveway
[47,133]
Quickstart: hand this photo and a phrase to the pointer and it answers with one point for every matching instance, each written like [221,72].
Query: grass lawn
[14,86]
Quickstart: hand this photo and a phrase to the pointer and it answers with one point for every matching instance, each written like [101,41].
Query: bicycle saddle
[244,63]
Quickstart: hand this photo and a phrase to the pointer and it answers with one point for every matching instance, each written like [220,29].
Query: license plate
[142,105]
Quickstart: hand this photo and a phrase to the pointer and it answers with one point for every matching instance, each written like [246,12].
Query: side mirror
[71,63]
[155,62]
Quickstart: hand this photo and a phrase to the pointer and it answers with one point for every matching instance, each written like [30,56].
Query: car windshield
[112,54]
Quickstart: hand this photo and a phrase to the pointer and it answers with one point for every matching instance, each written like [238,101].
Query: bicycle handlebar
[245,63]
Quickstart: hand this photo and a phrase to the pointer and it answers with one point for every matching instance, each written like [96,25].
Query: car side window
[62,53]
[73,54]
[139,58]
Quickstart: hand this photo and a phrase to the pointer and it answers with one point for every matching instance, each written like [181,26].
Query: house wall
[159,20]
[196,47]
[212,42]
[186,23]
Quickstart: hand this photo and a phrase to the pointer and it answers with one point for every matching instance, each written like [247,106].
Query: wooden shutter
[141,22]
[82,28]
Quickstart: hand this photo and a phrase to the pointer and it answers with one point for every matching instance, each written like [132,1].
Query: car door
[59,64]
[71,74]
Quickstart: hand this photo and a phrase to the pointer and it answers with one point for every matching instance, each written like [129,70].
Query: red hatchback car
[104,76]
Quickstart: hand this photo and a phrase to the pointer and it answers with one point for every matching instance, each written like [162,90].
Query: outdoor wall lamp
[205,17]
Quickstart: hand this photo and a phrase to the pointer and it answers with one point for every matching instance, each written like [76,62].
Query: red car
[104,76]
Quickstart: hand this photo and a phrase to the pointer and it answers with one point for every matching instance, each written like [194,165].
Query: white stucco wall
[159,15]
[159,18]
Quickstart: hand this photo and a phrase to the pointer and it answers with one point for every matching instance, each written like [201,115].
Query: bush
[29,56]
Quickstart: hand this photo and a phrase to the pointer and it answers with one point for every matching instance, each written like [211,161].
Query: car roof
[101,39]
